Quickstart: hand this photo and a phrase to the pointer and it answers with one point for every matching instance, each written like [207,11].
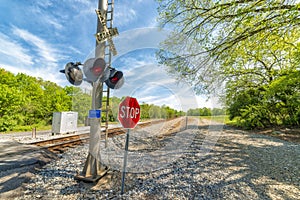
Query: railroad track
[59,145]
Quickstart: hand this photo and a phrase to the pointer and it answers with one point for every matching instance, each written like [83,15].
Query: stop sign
[129,112]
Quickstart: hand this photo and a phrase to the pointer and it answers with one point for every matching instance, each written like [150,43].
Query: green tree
[145,110]
[80,102]
[55,99]
[250,45]
[155,112]
[207,33]
[218,111]
[283,99]
[32,94]
[10,106]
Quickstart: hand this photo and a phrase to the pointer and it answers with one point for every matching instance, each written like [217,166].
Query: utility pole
[97,70]
[93,169]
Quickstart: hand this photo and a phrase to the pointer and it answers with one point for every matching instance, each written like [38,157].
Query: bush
[7,124]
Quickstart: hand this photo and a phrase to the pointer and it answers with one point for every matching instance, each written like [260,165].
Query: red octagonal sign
[129,112]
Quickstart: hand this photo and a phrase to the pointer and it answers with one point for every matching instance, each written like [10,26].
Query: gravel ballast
[239,165]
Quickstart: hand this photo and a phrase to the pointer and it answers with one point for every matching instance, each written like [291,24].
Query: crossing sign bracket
[107,33]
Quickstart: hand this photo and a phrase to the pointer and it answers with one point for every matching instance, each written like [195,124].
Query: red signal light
[94,68]
[97,70]
[114,79]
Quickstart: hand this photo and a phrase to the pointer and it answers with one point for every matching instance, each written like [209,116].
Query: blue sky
[39,37]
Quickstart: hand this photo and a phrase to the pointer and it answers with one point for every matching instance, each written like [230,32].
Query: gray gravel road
[239,165]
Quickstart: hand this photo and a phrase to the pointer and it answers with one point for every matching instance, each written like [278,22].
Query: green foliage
[252,46]
[277,104]
[206,111]
[284,98]
[79,101]
[113,111]
[220,118]
[220,25]
[151,111]
[55,99]
[7,123]
[26,101]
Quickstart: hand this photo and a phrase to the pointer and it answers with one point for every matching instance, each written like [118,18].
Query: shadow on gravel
[13,181]
[227,164]
[17,163]
[239,166]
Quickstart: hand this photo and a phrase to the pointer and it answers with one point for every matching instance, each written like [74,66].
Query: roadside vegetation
[221,119]
[215,114]
[27,102]
[252,47]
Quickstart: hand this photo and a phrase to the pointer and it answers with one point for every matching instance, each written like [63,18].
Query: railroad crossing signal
[73,73]
[93,169]
[107,33]
[95,68]
[129,112]
[115,79]
[104,35]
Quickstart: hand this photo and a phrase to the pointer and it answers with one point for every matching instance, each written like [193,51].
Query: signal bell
[115,80]
[73,73]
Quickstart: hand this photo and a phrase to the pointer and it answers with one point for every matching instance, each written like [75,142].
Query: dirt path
[206,161]
[220,163]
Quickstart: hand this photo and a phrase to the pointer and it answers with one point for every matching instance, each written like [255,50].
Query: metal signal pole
[93,169]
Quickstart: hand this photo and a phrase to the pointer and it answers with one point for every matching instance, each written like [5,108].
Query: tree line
[206,111]
[27,102]
[148,111]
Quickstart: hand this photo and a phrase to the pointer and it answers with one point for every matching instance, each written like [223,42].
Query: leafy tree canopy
[212,39]
[251,47]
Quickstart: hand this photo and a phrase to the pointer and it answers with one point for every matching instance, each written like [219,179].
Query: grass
[220,118]
[29,128]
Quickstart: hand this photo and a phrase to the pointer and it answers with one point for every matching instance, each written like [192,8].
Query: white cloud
[135,13]
[86,7]
[52,21]
[75,50]
[151,84]
[44,3]
[147,79]
[36,72]
[168,99]
[45,17]
[144,77]
[32,56]
[43,49]
[125,15]
[153,22]
[140,38]
[14,51]
[14,69]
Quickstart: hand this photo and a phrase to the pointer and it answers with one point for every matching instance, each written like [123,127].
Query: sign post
[128,116]
[125,162]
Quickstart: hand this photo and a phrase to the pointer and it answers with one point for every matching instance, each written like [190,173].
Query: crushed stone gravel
[234,165]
